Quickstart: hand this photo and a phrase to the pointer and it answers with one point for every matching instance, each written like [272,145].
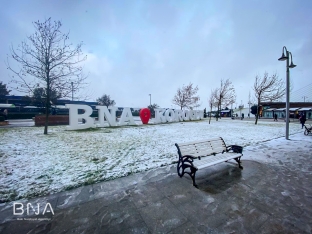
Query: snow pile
[33,164]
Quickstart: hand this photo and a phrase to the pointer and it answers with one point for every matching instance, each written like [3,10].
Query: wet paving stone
[186,228]
[74,197]
[162,216]
[144,195]
[278,225]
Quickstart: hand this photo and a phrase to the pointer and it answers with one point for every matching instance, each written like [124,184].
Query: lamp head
[292,65]
[283,58]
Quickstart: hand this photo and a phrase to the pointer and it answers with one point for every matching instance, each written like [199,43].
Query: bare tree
[105,100]
[268,88]
[225,95]
[50,60]
[196,103]
[186,97]
[212,101]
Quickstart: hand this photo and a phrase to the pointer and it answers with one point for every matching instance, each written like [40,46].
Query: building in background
[239,111]
[269,109]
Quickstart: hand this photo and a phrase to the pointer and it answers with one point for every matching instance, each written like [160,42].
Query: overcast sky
[136,48]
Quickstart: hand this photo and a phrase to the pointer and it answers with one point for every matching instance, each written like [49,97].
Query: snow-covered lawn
[33,164]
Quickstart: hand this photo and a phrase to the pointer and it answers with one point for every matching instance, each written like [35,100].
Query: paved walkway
[272,194]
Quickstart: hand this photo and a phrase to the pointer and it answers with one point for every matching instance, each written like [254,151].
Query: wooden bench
[196,155]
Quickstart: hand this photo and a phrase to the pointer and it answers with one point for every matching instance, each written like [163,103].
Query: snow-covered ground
[33,164]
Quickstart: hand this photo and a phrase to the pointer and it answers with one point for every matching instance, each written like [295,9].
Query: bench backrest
[202,148]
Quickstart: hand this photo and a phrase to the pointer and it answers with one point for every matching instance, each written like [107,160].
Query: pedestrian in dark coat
[303,120]
[5,113]
[275,117]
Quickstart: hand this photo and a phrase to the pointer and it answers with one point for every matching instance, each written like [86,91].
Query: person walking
[302,120]
[275,117]
[5,113]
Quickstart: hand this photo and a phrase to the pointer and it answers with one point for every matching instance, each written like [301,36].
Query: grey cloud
[157,46]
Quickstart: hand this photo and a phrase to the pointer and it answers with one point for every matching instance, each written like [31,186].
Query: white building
[244,111]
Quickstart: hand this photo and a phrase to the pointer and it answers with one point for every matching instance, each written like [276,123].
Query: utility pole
[249,104]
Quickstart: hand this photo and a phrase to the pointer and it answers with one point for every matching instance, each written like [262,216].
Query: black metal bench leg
[192,174]
[180,169]
[239,162]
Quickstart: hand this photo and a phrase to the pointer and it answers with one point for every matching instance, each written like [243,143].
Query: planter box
[52,121]
[4,123]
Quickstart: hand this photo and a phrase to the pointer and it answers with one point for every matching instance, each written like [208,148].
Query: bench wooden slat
[204,153]
[203,148]
[202,141]
[212,160]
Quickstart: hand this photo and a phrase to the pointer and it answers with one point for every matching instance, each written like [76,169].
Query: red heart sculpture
[145,115]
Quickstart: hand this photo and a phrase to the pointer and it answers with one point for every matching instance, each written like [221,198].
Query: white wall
[244,110]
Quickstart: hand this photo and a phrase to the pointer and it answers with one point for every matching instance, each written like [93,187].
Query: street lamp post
[72,87]
[240,109]
[150,99]
[304,98]
[249,103]
[291,65]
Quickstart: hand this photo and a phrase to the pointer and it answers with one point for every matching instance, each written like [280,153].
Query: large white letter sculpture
[179,115]
[109,116]
[126,117]
[74,117]
[169,115]
[199,114]
[159,116]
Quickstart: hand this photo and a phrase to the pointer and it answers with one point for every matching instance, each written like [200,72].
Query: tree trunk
[210,114]
[219,112]
[46,119]
[257,115]
[47,106]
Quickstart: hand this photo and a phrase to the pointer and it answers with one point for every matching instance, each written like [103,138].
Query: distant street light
[150,99]
[291,65]
[72,87]
[304,98]
[249,103]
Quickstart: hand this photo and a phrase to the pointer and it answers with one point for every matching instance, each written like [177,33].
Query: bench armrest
[235,148]
[308,127]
